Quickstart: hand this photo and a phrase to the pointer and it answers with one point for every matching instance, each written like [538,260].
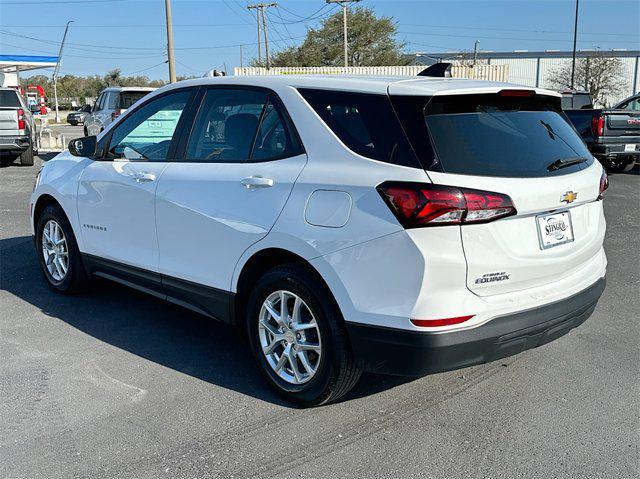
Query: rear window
[9,98]
[491,135]
[128,98]
[365,123]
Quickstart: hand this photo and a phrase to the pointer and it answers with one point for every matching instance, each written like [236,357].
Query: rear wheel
[27,156]
[298,338]
[58,252]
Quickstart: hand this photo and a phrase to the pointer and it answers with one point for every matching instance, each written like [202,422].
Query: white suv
[347,224]
[110,104]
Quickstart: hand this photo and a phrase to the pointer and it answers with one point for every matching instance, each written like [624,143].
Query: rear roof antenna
[439,70]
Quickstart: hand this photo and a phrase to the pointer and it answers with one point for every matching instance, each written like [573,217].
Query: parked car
[612,135]
[345,224]
[17,132]
[79,116]
[631,103]
[110,104]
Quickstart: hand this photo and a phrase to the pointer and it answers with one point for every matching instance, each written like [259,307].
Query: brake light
[519,93]
[416,204]
[115,114]
[21,123]
[597,125]
[604,184]
[433,323]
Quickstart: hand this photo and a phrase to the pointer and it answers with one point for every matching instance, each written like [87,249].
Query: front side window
[147,133]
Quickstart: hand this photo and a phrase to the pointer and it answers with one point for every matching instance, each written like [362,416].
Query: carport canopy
[12,65]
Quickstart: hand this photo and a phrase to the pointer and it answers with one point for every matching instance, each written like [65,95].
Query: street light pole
[343,4]
[575,39]
[171,60]
[56,71]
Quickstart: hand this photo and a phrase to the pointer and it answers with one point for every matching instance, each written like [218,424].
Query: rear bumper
[14,143]
[616,150]
[415,353]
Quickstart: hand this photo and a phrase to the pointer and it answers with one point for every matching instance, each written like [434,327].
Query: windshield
[9,98]
[489,135]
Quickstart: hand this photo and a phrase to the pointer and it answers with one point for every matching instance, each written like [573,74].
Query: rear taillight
[418,204]
[517,93]
[597,125]
[604,184]
[115,114]
[21,123]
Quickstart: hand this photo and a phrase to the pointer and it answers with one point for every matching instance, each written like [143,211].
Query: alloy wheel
[289,337]
[55,250]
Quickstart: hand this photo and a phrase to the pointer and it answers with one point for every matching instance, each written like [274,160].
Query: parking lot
[114,383]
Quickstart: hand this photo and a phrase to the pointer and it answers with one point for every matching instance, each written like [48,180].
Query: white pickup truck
[17,132]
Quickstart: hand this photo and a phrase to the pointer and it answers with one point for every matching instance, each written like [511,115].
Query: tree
[371,42]
[600,75]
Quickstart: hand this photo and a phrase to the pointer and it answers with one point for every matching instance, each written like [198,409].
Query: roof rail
[440,70]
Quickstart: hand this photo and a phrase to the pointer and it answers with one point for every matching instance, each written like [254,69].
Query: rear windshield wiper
[564,162]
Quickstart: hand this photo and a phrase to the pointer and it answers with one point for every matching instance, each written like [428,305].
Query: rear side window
[365,123]
[492,135]
[237,125]
[9,98]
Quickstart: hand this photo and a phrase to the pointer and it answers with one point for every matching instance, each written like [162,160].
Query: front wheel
[58,252]
[297,336]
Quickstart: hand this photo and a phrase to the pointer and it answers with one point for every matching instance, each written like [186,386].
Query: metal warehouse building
[533,68]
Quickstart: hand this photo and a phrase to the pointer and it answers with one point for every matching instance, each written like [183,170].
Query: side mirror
[84,147]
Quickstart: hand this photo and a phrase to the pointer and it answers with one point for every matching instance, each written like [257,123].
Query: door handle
[143,177]
[257,182]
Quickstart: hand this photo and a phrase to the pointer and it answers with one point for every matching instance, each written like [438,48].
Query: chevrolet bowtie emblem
[569,197]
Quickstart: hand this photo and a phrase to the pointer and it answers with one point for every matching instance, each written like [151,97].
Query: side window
[365,123]
[112,100]
[98,104]
[631,105]
[146,134]
[226,125]
[274,140]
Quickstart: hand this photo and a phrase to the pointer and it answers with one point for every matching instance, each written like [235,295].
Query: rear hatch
[9,104]
[515,143]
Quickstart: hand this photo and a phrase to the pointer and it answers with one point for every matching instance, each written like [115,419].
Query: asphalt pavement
[114,383]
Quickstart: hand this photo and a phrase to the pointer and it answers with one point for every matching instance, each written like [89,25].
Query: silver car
[17,131]
[111,103]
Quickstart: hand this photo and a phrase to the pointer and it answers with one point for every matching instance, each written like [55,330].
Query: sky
[130,34]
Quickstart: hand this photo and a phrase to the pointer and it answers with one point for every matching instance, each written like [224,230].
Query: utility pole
[172,64]
[344,4]
[56,71]
[241,65]
[259,7]
[575,38]
[475,52]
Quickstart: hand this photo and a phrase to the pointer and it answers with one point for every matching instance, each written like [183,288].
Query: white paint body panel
[206,217]
[110,197]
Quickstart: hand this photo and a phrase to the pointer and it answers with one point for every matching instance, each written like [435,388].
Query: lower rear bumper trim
[415,353]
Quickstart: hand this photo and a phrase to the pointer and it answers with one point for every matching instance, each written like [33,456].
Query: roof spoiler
[440,70]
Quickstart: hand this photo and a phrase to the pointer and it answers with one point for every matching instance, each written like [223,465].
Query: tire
[75,279]
[335,369]
[27,157]
[620,166]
